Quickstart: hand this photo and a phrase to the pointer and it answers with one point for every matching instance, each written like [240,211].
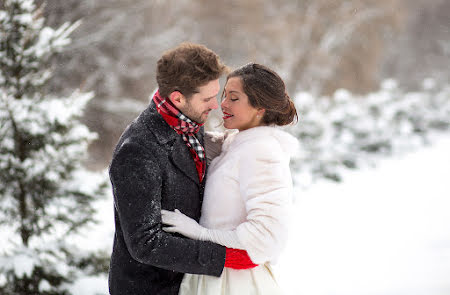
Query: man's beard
[195,116]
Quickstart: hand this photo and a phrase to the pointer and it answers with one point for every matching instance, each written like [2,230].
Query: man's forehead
[211,89]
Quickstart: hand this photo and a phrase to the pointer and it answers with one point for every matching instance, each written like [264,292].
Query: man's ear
[177,99]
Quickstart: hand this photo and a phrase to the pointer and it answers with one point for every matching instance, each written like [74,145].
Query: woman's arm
[188,227]
[265,185]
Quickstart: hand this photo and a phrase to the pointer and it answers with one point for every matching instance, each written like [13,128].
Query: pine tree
[45,193]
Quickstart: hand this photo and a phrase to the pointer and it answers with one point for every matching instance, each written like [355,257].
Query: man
[160,163]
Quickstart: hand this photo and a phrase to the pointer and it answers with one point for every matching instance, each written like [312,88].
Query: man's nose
[214,105]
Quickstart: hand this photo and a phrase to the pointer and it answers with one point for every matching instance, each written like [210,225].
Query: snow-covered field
[383,231]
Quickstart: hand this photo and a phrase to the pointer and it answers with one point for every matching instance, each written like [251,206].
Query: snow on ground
[384,231]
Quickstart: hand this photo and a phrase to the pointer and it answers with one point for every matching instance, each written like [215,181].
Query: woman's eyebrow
[234,91]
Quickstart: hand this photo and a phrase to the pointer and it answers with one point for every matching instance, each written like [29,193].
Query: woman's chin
[227,125]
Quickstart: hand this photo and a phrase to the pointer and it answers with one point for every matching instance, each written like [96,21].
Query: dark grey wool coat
[152,169]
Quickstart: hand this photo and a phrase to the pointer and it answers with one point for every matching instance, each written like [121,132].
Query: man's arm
[137,182]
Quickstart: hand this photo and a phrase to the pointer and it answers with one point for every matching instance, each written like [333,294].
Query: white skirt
[255,281]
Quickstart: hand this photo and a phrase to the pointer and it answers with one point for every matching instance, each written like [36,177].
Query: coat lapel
[179,154]
[182,159]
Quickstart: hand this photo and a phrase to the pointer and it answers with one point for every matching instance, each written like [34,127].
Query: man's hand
[182,224]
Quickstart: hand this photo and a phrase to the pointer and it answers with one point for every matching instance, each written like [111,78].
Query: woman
[248,189]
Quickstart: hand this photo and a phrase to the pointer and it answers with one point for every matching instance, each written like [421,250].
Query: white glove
[188,227]
[182,224]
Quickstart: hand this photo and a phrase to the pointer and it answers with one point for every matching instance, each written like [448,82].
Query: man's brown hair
[187,67]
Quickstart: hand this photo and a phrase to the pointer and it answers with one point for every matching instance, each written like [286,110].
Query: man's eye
[234,99]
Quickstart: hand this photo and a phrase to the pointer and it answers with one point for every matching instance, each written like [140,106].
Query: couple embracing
[196,212]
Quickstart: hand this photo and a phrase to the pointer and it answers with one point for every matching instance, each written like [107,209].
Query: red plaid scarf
[186,127]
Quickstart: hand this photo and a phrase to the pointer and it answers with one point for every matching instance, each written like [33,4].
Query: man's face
[198,106]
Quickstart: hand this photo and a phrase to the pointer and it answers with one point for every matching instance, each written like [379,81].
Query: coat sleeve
[136,180]
[266,188]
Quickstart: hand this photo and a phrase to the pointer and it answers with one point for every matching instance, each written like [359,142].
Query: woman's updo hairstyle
[265,89]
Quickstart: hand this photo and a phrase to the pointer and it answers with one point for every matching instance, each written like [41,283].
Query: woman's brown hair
[187,67]
[265,89]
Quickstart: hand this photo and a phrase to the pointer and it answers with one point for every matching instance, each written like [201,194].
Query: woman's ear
[260,113]
[177,99]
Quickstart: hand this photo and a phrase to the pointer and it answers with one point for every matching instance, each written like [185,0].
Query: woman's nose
[223,103]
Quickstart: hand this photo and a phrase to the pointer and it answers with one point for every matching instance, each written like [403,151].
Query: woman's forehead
[234,84]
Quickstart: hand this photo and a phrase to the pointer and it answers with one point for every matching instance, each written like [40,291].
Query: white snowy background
[381,231]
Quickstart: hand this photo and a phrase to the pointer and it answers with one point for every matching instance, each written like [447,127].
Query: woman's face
[237,111]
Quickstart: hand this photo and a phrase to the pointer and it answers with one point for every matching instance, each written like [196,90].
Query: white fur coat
[249,190]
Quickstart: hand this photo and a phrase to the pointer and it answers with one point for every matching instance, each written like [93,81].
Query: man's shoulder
[148,130]
[139,128]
